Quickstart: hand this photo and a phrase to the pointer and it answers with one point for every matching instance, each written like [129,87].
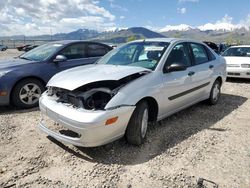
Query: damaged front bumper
[90,126]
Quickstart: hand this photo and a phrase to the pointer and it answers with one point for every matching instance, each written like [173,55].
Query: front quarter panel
[220,68]
[146,86]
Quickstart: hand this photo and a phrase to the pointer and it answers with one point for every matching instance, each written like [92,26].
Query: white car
[137,83]
[238,61]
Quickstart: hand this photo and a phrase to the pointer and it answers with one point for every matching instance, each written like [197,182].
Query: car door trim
[188,91]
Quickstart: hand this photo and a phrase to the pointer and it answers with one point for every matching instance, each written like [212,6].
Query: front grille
[245,65]
[233,74]
[233,65]
[68,97]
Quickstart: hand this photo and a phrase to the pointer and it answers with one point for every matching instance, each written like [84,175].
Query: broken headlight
[95,99]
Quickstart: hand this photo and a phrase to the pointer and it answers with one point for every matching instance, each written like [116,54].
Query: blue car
[23,79]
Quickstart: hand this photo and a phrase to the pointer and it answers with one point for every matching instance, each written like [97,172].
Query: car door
[203,69]
[76,55]
[178,85]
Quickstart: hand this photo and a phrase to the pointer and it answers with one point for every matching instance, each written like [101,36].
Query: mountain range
[236,35]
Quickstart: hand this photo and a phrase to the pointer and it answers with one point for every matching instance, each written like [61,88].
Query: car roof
[71,41]
[241,46]
[169,40]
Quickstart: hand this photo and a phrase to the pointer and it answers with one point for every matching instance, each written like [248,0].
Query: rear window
[95,50]
[211,56]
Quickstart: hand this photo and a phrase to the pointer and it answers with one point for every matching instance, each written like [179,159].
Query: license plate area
[58,128]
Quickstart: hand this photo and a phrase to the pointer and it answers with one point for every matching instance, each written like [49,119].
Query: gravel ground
[211,142]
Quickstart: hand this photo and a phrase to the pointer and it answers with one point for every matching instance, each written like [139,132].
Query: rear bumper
[238,72]
[89,125]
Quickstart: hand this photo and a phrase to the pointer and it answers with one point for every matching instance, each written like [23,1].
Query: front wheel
[27,92]
[215,93]
[138,124]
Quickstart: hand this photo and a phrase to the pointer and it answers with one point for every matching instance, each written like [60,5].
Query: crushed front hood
[74,78]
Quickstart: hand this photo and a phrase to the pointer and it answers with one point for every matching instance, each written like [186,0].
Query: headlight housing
[245,65]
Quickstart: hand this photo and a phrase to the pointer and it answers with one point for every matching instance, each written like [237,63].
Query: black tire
[19,90]
[212,100]
[134,133]
[4,49]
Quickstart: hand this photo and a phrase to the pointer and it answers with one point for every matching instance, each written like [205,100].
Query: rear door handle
[191,73]
[211,66]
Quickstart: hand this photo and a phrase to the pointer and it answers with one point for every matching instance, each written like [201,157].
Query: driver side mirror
[59,58]
[174,67]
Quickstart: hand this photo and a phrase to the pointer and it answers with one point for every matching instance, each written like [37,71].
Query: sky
[35,17]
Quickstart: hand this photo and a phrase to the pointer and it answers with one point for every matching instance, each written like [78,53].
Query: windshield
[238,51]
[42,52]
[139,54]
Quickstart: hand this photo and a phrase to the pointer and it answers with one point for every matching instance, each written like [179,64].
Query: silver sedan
[140,82]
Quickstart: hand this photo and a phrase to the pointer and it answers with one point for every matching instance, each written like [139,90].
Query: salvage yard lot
[211,142]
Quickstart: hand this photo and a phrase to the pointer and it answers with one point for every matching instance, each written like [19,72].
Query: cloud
[246,22]
[116,6]
[181,10]
[38,17]
[224,24]
[181,27]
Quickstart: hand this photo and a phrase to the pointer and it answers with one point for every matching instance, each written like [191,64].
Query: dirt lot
[202,141]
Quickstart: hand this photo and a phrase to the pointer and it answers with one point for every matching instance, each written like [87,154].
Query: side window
[210,55]
[199,52]
[95,50]
[75,51]
[179,54]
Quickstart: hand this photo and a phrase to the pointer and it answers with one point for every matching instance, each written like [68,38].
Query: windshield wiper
[25,58]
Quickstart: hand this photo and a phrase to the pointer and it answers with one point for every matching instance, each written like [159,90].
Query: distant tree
[131,38]
[230,40]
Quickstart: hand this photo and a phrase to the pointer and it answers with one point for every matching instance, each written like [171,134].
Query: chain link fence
[11,44]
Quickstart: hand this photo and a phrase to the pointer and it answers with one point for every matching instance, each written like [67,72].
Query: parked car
[20,48]
[134,84]
[3,47]
[23,79]
[238,61]
[30,47]
[213,46]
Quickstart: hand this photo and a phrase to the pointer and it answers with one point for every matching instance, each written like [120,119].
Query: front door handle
[191,73]
[211,66]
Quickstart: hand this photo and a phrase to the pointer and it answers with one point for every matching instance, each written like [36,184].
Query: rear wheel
[138,124]
[27,92]
[215,93]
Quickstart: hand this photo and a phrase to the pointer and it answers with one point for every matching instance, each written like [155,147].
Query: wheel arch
[219,78]
[153,108]
[24,78]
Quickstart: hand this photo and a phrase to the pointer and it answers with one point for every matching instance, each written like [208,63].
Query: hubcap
[30,93]
[216,92]
[144,125]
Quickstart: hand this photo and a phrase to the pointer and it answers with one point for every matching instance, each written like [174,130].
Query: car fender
[146,86]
